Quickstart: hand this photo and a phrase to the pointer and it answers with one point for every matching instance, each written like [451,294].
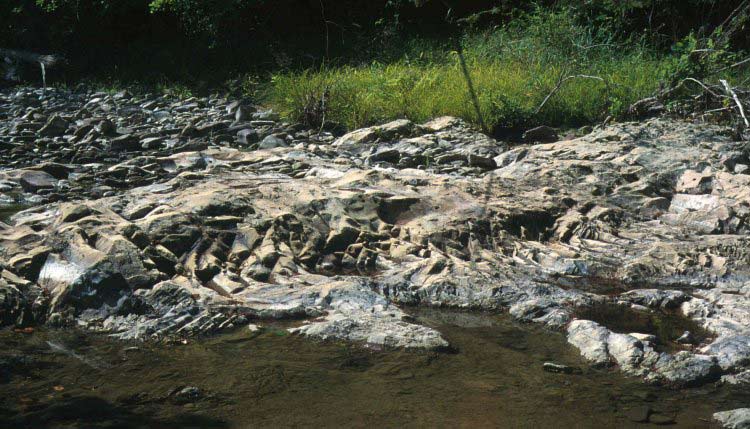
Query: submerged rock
[559,368]
[186,395]
[357,314]
[685,369]
[639,414]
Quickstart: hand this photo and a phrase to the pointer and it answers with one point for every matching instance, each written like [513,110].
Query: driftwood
[694,97]
[736,100]
[44,61]
[30,57]
[701,98]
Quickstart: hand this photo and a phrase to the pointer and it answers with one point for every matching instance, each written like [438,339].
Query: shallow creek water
[492,378]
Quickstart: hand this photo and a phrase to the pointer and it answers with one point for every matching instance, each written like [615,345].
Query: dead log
[30,57]
[44,60]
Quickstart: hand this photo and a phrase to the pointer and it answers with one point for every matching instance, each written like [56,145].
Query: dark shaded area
[94,412]
[531,225]
[7,211]
[205,39]
[212,40]
[666,325]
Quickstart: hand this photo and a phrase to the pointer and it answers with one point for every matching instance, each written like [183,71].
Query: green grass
[513,69]
[509,90]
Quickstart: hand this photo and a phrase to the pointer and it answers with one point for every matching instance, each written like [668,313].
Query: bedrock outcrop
[222,226]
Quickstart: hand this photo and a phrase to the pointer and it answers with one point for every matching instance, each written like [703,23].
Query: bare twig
[702,51]
[720,109]
[732,16]
[560,84]
[325,22]
[464,68]
[736,101]
[737,64]
[323,108]
[703,85]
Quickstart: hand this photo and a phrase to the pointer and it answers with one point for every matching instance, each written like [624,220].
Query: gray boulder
[272,142]
[34,181]
[685,369]
[734,419]
[248,136]
[55,126]
[591,339]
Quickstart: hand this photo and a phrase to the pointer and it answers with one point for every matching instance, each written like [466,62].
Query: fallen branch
[30,57]
[737,64]
[709,98]
[702,85]
[560,84]
[736,101]
[720,109]
[44,61]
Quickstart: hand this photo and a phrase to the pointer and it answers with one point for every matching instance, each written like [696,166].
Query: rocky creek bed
[161,219]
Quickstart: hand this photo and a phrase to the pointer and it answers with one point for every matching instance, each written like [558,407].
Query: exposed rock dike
[159,218]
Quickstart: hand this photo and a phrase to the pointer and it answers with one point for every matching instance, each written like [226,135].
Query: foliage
[368,61]
[512,70]
[666,21]
[182,37]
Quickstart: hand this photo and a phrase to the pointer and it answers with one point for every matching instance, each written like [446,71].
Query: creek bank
[163,218]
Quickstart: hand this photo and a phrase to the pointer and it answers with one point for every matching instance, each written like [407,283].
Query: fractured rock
[55,126]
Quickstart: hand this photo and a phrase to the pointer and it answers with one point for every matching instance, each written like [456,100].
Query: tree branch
[736,100]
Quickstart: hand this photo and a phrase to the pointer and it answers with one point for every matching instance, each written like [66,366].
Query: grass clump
[509,90]
[513,69]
